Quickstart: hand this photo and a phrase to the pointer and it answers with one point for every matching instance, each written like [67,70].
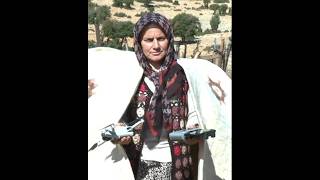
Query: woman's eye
[148,40]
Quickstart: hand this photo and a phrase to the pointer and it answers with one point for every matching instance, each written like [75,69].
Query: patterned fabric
[136,111]
[180,153]
[153,170]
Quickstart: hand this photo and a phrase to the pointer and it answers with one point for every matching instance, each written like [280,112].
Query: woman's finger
[125,140]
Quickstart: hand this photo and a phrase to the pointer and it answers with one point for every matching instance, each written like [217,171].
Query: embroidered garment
[180,152]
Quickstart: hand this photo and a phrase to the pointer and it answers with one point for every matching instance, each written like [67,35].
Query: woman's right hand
[123,140]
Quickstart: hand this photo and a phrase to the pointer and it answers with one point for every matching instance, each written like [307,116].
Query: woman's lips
[156,54]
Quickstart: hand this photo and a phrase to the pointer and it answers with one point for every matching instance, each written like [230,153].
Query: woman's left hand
[192,141]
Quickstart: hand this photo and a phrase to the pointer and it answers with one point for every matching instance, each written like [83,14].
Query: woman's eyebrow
[152,37]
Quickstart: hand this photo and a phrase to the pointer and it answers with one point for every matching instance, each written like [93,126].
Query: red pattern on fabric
[143,87]
[177,150]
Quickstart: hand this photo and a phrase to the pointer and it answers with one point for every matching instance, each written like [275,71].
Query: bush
[206,3]
[170,1]
[141,13]
[128,3]
[120,14]
[164,5]
[214,7]
[207,48]
[114,43]
[222,9]
[91,44]
[221,1]
[176,3]
[214,22]
[117,3]
[207,31]
[201,7]
[150,8]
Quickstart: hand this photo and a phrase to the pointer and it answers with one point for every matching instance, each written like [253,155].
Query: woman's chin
[156,60]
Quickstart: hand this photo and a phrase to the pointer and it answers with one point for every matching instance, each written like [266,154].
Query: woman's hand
[192,141]
[91,86]
[123,140]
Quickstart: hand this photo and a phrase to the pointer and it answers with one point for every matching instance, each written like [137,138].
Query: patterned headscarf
[170,81]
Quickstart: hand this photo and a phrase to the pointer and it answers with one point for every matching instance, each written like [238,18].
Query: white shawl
[117,74]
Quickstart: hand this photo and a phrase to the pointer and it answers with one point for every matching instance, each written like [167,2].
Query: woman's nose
[155,44]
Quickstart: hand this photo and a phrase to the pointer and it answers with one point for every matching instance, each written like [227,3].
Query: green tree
[91,4]
[214,22]
[97,15]
[206,3]
[107,29]
[91,44]
[186,26]
[117,3]
[146,3]
[222,10]
[114,43]
[150,8]
[128,3]
[221,1]
[118,31]
[214,7]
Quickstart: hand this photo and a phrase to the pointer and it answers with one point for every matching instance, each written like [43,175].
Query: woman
[161,100]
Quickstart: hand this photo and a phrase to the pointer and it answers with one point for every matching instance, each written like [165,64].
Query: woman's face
[154,45]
